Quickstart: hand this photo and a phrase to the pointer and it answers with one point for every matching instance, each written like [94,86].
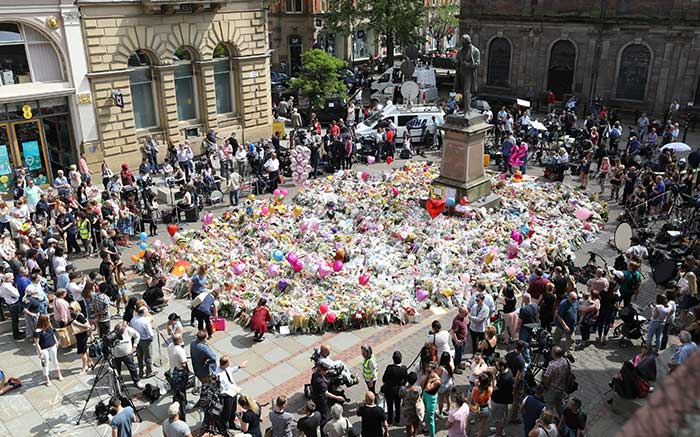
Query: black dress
[81,339]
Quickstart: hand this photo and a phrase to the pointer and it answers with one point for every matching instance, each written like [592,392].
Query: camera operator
[554,380]
[320,394]
[123,349]
[203,358]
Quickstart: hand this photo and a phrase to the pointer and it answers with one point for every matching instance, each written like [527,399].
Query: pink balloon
[208,219]
[363,279]
[337,266]
[157,244]
[239,268]
[421,295]
[284,191]
[323,308]
[510,271]
[323,270]
[297,267]
[273,269]
[292,258]
[314,225]
[517,236]
[264,210]
[277,192]
[583,214]
[303,226]
[331,317]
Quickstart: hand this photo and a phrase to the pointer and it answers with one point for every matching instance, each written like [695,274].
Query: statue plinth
[462,167]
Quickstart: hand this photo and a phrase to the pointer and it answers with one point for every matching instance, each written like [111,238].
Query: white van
[400,116]
[423,76]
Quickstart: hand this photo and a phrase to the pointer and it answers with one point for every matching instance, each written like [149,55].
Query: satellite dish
[411,52]
[623,236]
[409,91]
[407,69]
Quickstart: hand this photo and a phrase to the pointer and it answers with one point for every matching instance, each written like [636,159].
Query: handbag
[570,385]
[351,430]
[197,301]
[77,329]
[65,337]
[420,408]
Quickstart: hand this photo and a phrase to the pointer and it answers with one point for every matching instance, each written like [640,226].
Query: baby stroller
[631,327]
[260,185]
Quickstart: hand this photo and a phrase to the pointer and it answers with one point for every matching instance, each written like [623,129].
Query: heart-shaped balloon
[172,229]
[323,270]
[363,279]
[435,207]
[239,268]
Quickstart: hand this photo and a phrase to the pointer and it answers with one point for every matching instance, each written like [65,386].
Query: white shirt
[442,342]
[660,313]
[478,317]
[177,356]
[638,251]
[672,312]
[9,293]
[129,340]
[272,165]
[76,290]
[142,325]
[228,384]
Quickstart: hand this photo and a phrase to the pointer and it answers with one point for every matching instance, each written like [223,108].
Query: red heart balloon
[389,160]
[435,207]
[172,229]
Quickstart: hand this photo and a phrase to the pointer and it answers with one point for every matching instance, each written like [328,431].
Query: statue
[468,61]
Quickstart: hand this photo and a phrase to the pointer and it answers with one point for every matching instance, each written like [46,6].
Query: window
[293,6]
[633,72]
[404,119]
[141,84]
[499,62]
[560,75]
[26,56]
[222,80]
[184,85]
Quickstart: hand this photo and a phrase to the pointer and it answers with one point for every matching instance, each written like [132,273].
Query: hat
[70,267]
[174,409]
[52,241]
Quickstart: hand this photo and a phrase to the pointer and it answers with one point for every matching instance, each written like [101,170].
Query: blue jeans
[459,351]
[655,329]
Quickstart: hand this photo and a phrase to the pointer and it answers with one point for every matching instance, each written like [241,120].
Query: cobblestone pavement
[277,366]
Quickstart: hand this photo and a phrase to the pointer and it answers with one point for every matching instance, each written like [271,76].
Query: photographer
[555,379]
[125,340]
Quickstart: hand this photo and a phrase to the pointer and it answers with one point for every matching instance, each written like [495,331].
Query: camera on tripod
[541,342]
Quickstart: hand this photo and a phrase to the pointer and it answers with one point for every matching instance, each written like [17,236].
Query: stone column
[167,104]
[207,91]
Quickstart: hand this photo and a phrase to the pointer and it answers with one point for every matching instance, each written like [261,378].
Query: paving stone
[276,355]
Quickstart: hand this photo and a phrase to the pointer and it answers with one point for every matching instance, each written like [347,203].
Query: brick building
[636,54]
[178,68]
[296,26]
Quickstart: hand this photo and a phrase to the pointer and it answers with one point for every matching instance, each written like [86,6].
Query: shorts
[499,411]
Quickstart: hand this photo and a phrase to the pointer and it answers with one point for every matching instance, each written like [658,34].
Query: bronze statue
[468,61]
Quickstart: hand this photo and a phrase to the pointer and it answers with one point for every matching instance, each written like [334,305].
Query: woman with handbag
[45,343]
[479,405]
[431,386]
[412,407]
[82,330]
[393,380]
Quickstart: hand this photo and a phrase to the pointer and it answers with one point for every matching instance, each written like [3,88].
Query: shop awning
[34,91]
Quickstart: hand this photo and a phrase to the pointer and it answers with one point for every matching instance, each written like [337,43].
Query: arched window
[185,97]
[499,62]
[560,75]
[633,72]
[141,84]
[222,80]
[26,55]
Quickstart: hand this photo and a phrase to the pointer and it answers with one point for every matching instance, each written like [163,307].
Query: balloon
[323,308]
[421,294]
[278,255]
[303,226]
[370,160]
[180,268]
[208,219]
[489,257]
[583,214]
[239,268]
[395,191]
[331,317]
[273,269]
[284,191]
[513,249]
[135,258]
[464,201]
[510,271]
[265,210]
[323,270]
[277,192]
[363,279]
[157,244]
[516,235]
[143,245]
[172,229]
[251,197]
[282,284]
[143,236]
[337,266]
[297,267]
[450,201]
[365,175]
[314,225]
[142,253]
[389,160]
[292,258]
[297,211]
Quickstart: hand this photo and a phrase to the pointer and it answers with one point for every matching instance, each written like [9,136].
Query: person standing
[12,299]
[369,367]
[510,295]
[203,358]
[123,350]
[478,318]
[179,372]
[670,319]
[184,159]
[309,424]
[142,324]
[281,420]
[565,321]
[431,386]
[409,396]
[531,408]
[555,378]
[61,309]
[204,311]
[297,122]
[393,380]
[659,313]
[229,392]
[373,419]
[99,309]
[122,420]
[458,418]
[502,395]
[45,343]
[458,332]
[319,391]
[515,361]
[173,426]
[479,404]
[250,419]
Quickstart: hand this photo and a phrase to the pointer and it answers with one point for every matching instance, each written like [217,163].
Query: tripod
[118,387]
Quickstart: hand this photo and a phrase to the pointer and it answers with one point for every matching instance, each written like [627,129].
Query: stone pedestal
[462,168]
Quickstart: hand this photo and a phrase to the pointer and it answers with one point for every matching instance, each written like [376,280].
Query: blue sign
[31,156]
[5,164]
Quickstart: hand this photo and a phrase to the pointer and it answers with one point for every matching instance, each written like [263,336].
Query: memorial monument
[462,168]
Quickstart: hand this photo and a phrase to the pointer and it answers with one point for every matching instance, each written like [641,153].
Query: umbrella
[481,105]
[677,147]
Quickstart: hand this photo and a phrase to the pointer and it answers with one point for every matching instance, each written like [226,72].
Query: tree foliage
[398,22]
[318,78]
[441,22]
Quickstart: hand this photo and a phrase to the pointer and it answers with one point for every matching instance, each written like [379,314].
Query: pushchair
[632,325]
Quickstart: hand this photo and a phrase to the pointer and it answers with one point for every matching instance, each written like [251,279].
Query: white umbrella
[677,147]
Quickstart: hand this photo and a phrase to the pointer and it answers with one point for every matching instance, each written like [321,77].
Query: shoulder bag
[351,431]
[571,385]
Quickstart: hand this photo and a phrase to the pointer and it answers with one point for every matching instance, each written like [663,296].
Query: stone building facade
[45,102]
[635,54]
[178,68]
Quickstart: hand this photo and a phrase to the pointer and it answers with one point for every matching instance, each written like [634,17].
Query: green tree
[441,22]
[318,78]
[398,22]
